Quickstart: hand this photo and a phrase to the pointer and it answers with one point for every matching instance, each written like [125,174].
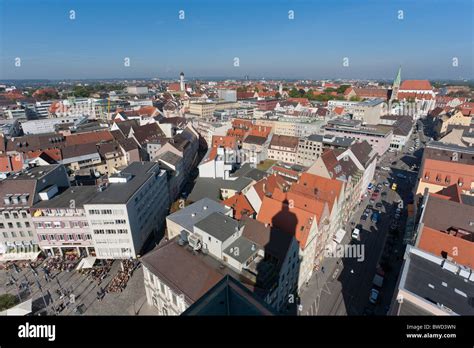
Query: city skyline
[369,37]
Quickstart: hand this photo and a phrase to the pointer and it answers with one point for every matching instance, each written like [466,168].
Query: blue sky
[258,32]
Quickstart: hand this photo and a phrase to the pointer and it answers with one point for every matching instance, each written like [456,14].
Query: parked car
[375,216]
[374,295]
[379,205]
[364,217]
[356,234]
[401,176]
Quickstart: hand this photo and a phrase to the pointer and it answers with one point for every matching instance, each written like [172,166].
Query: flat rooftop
[78,194]
[120,193]
[438,282]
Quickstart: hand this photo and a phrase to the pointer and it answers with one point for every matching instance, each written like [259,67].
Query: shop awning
[339,236]
[86,262]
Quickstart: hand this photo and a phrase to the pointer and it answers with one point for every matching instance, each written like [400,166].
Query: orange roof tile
[446,173]
[89,137]
[226,141]
[240,205]
[267,185]
[438,242]
[319,187]
[421,85]
[339,110]
[297,222]
[301,201]
[260,131]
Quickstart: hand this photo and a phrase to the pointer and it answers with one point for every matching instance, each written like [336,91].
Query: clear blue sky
[258,32]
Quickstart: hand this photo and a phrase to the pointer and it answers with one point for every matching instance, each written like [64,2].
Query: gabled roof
[240,205]
[253,139]
[89,137]
[225,141]
[284,141]
[267,185]
[318,187]
[416,85]
[147,133]
[294,221]
[362,151]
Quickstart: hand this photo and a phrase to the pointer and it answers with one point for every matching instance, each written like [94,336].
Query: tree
[7,301]
[354,98]
[278,95]
[294,93]
[342,88]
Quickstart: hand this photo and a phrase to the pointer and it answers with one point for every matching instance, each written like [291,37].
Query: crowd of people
[119,282]
[99,273]
[60,264]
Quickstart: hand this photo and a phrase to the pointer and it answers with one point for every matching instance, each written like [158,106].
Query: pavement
[128,302]
[343,288]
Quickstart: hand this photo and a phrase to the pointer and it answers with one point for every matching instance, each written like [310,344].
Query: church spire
[396,85]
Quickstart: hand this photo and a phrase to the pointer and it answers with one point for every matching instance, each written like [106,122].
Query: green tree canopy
[7,301]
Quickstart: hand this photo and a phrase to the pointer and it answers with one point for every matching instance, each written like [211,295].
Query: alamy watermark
[356,251]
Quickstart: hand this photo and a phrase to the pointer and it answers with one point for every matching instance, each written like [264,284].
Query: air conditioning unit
[194,241]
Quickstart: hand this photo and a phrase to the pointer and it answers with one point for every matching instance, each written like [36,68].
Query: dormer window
[427,176]
[460,182]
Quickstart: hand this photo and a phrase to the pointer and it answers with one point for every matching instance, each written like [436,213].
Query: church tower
[396,85]
[181,82]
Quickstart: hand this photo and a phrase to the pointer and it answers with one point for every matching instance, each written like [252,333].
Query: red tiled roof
[260,131]
[240,205]
[52,153]
[241,123]
[339,110]
[267,185]
[294,221]
[421,85]
[175,87]
[440,242]
[318,187]
[301,201]
[89,137]
[413,95]
[226,141]
[302,101]
[446,173]
[11,163]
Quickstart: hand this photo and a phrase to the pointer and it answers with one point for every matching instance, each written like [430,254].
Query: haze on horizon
[313,45]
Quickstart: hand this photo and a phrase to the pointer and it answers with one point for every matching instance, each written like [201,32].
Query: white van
[356,234]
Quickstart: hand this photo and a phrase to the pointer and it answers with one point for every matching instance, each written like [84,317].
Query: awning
[339,236]
[20,309]
[87,262]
